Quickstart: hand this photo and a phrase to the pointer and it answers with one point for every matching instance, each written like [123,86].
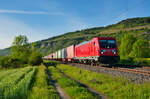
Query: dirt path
[85,86]
[61,92]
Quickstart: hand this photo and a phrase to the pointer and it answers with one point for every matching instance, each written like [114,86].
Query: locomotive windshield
[107,43]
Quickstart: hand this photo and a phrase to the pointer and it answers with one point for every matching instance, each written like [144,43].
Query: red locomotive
[98,50]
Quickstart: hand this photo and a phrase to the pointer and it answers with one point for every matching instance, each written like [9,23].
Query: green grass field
[16,84]
[27,83]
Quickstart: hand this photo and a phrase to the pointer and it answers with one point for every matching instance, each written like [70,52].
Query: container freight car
[50,56]
[59,55]
[98,50]
[70,53]
[55,56]
[45,57]
[64,55]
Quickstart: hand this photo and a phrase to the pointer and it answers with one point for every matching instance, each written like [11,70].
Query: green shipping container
[59,54]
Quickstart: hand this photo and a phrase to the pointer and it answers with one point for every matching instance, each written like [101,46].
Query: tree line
[133,48]
[21,54]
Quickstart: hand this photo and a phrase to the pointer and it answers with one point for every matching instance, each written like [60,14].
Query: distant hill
[140,27]
[4,52]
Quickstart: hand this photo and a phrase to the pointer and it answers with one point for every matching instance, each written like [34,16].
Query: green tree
[34,45]
[35,58]
[20,49]
[140,49]
[21,54]
[20,40]
[126,45]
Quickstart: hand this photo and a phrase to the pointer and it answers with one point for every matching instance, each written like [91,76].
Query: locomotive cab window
[107,43]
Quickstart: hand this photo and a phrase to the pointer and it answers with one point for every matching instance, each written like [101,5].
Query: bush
[142,61]
[9,62]
[127,60]
[4,61]
[50,63]
[126,44]
[140,49]
[35,58]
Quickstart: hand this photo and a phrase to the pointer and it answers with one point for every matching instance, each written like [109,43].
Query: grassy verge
[142,61]
[115,88]
[43,88]
[135,61]
[72,88]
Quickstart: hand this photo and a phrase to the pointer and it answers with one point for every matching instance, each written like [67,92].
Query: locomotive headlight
[102,51]
[114,51]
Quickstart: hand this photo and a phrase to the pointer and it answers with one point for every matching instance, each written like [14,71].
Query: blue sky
[41,19]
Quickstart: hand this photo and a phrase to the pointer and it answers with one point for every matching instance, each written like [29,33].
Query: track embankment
[133,75]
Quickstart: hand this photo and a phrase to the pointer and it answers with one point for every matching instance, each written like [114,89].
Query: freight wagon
[50,56]
[70,51]
[64,55]
[59,55]
[55,56]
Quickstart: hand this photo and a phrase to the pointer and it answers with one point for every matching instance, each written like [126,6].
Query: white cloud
[29,12]
[22,12]
[9,28]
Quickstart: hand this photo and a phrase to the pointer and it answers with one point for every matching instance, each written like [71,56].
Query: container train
[98,50]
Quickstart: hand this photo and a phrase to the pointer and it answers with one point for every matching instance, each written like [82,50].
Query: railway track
[137,75]
[141,71]
[135,71]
